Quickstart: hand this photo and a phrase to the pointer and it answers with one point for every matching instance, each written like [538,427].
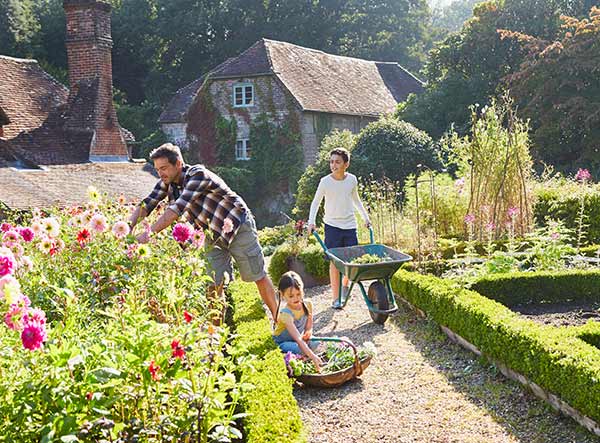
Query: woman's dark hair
[289,280]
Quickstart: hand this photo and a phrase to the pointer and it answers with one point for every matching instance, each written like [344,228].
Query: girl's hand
[307,335]
[317,361]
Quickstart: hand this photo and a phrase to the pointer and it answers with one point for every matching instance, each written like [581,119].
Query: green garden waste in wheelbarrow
[379,298]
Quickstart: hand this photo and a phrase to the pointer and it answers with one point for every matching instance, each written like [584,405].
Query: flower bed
[106,339]
[563,361]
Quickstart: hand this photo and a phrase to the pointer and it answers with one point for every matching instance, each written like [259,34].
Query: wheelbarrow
[379,298]
[337,378]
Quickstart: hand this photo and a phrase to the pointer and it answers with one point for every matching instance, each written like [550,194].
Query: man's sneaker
[336,304]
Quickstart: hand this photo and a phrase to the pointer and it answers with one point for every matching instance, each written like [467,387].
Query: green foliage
[566,123]
[276,160]
[495,162]
[561,200]
[226,137]
[312,256]
[141,121]
[540,287]
[391,148]
[273,414]
[239,179]
[557,359]
[309,181]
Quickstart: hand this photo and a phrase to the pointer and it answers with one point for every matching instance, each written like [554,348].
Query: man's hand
[144,237]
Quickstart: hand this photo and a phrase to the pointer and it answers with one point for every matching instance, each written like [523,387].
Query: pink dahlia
[33,335]
[98,223]
[7,264]
[10,237]
[35,315]
[120,229]
[182,232]
[27,234]
[4,227]
[198,238]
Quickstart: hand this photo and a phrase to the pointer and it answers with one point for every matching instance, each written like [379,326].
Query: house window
[242,149]
[243,95]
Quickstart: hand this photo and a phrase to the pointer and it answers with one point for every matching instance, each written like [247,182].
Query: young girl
[293,324]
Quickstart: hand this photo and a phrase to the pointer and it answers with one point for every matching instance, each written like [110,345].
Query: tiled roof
[178,106]
[318,81]
[27,94]
[342,85]
[65,185]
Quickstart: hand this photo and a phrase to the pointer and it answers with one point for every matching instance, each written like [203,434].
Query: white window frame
[242,87]
[242,154]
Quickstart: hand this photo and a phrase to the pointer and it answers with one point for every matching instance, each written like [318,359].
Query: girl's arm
[291,328]
[309,325]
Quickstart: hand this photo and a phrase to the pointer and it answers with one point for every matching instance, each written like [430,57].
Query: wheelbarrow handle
[318,237]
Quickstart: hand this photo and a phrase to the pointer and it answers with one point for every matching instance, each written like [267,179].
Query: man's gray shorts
[245,250]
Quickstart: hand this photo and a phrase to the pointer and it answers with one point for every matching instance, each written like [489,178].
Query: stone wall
[176,133]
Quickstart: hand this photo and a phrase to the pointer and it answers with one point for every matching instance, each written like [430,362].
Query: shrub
[392,148]
[312,256]
[273,414]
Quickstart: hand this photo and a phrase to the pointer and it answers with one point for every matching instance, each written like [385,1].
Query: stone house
[57,141]
[319,91]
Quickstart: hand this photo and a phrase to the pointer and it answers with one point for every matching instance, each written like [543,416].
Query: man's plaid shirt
[205,200]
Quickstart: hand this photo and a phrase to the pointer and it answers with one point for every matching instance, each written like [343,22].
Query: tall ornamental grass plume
[109,340]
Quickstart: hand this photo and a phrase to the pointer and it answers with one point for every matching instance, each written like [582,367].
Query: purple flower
[583,175]
[182,232]
[490,226]
[512,211]
[469,219]
[555,236]
[289,356]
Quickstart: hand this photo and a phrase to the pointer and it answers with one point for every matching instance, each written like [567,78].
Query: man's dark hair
[167,150]
[342,152]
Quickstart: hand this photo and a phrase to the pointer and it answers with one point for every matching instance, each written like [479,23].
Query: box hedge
[557,359]
[312,256]
[273,412]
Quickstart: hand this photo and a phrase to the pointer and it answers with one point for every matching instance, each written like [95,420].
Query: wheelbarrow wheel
[378,296]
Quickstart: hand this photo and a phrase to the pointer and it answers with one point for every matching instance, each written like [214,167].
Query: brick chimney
[91,108]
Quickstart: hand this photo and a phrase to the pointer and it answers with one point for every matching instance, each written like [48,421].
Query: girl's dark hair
[289,280]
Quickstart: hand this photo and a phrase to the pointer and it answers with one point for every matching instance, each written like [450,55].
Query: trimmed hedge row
[557,359]
[539,287]
[272,408]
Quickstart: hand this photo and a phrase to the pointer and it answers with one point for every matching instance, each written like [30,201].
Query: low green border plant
[311,255]
[557,359]
[273,414]
[540,287]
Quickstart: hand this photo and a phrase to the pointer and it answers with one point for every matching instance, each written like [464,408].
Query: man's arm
[164,221]
[138,214]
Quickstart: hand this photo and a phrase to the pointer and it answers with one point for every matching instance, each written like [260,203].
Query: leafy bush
[560,199]
[392,148]
[312,256]
[309,181]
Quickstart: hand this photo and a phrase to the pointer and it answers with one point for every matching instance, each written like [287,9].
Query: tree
[468,66]
[557,87]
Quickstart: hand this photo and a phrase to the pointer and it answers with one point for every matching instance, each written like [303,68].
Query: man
[207,202]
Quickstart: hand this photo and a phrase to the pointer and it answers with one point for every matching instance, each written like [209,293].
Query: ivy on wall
[323,125]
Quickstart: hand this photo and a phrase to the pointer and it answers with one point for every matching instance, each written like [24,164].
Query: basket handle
[358,370]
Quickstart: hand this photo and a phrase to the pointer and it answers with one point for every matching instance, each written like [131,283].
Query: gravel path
[421,388]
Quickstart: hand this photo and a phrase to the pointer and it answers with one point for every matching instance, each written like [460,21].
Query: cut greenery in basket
[336,356]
